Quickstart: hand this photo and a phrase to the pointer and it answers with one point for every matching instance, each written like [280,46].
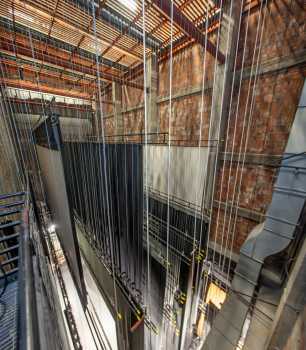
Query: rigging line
[53,167]
[9,135]
[209,147]
[232,152]
[169,283]
[14,131]
[252,105]
[148,294]
[169,143]
[29,137]
[93,329]
[210,122]
[217,156]
[214,250]
[225,72]
[43,103]
[104,167]
[210,136]
[238,98]
[93,175]
[228,124]
[240,148]
[6,147]
[100,324]
[227,236]
[22,134]
[237,107]
[199,158]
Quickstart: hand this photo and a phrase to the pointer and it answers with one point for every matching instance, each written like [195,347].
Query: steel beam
[180,20]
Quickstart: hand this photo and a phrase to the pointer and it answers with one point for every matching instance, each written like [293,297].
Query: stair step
[6,238]
[10,205]
[9,249]
[10,224]
[9,261]
[10,212]
[9,273]
[10,195]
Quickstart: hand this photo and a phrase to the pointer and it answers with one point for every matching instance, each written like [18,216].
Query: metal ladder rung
[9,249]
[5,238]
[10,205]
[10,224]
[9,273]
[10,212]
[10,195]
[9,261]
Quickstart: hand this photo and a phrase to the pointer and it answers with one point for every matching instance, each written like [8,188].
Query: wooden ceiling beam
[36,36]
[38,102]
[13,67]
[181,21]
[56,59]
[36,86]
[117,20]
[49,16]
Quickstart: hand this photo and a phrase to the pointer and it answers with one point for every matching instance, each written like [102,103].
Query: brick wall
[8,166]
[275,100]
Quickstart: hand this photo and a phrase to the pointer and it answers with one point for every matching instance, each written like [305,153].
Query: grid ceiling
[65,20]
[71,22]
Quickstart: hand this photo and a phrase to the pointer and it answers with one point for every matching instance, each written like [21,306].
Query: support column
[221,96]
[152,85]
[117,108]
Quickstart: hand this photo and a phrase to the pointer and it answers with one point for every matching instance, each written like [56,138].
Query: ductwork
[273,236]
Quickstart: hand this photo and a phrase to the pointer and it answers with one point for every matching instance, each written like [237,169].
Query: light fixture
[51,228]
[130,4]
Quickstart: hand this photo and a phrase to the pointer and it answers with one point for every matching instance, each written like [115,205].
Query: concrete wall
[187,171]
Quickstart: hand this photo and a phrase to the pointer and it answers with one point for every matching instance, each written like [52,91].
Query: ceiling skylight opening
[21,15]
[130,4]
[51,228]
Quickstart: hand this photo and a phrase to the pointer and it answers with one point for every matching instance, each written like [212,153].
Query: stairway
[10,226]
